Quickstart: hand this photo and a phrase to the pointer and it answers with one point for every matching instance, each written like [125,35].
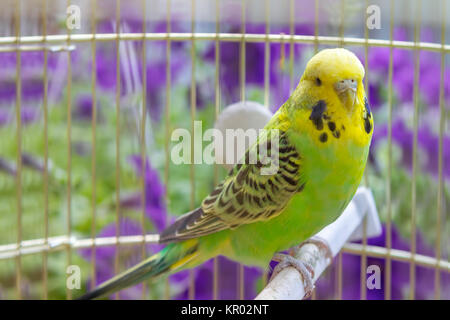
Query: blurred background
[85,134]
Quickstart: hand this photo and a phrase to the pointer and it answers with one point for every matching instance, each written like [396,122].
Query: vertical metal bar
[341,25]
[316,26]
[363,262]
[339,276]
[167,122]
[69,153]
[94,134]
[291,45]
[17,23]
[364,239]
[412,270]
[45,174]
[437,284]
[388,274]
[193,107]
[267,84]
[267,57]
[143,144]
[118,89]
[240,278]
[217,111]
[341,35]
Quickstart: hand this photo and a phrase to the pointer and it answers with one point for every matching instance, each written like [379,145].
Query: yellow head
[336,70]
[329,103]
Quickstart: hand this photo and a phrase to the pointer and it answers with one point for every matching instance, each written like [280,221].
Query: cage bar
[388,264]
[17,24]
[45,173]
[216,264]
[167,118]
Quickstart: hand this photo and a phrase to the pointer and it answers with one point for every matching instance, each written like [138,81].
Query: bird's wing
[246,195]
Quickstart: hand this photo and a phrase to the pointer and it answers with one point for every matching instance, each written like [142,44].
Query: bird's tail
[174,256]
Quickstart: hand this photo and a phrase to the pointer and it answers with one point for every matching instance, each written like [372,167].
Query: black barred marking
[323,137]
[331,126]
[221,203]
[244,214]
[240,197]
[317,113]
[367,125]
[289,180]
[293,164]
[241,175]
[367,116]
[231,209]
[336,134]
[366,105]
[286,149]
[257,201]
[227,191]
[290,171]
[301,187]
[210,200]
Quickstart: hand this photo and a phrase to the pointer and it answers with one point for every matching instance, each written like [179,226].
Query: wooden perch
[288,284]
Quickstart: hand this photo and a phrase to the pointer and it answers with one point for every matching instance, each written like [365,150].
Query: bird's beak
[346,90]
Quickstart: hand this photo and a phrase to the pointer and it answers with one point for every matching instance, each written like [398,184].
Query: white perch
[288,284]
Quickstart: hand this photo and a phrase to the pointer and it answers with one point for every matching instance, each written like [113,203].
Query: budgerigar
[325,130]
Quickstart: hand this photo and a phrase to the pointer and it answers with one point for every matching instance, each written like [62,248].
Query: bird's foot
[305,269]
[321,243]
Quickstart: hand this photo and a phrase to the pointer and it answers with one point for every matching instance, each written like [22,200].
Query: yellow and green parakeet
[325,129]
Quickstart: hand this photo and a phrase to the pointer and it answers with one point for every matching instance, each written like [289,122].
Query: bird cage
[91,92]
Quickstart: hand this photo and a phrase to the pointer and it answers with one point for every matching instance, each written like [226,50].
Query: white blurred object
[241,115]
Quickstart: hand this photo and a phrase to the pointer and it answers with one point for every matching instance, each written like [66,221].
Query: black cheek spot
[343,128]
[318,81]
[367,125]
[317,113]
[323,137]
[331,126]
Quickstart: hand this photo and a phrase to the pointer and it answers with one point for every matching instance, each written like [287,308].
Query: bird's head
[339,71]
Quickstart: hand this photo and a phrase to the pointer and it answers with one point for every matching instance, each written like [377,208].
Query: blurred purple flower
[32,71]
[29,114]
[429,142]
[83,108]
[4,116]
[131,68]
[254,59]
[403,137]
[403,71]
[227,277]
[154,194]
[8,167]
[351,266]
[157,79]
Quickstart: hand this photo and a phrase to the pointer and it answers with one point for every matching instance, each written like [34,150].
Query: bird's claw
[321,243]
[305,269]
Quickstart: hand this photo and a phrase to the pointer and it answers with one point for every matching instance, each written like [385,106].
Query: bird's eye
[318,81]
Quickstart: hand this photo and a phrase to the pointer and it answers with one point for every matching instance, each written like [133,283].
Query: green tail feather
[170,258]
